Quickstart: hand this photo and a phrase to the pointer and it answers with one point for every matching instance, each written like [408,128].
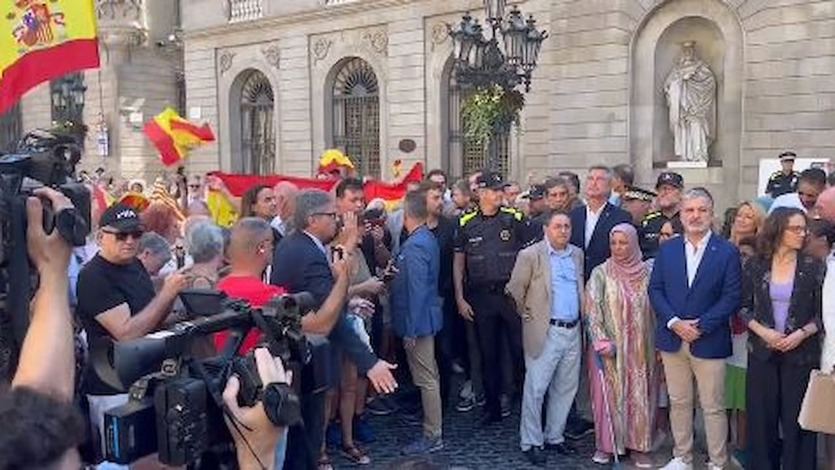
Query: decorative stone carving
[691,96]
[378,40]
[440,34]
[272,55]
[108,9]
[321,48]
[225,61]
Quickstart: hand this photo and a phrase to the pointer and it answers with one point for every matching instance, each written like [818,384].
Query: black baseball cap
[670,178]
[491,180]
[121,218]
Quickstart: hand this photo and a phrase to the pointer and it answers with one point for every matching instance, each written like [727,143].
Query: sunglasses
[122,236]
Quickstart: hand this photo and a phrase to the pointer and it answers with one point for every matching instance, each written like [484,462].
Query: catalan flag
[41,40]
[173,136]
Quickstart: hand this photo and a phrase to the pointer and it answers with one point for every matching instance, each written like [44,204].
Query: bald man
[825,205]
[285,197]
[250,252]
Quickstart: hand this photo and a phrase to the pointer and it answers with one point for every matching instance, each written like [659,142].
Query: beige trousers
[421,358]
[680,368]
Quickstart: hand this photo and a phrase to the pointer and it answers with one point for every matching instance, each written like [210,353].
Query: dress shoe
[563,448]
[535,456]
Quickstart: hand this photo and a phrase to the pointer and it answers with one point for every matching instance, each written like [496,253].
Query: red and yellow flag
[173,136]
[41,40]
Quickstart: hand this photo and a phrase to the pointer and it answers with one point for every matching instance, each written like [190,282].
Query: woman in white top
[828,353]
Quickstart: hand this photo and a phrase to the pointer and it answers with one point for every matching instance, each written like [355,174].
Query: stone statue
[691,96]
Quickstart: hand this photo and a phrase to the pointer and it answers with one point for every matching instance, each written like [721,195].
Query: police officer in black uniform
[487,242]
[783,181]
[669,187]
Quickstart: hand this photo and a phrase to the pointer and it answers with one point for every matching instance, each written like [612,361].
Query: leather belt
[564,324]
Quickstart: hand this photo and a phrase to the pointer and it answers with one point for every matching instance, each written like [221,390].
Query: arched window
[467,155]
[10,129]
[356,115]
[257,125]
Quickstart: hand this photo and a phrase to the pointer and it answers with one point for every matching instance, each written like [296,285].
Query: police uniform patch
[505,235]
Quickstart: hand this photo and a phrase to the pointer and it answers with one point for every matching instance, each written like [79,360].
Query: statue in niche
[690,89]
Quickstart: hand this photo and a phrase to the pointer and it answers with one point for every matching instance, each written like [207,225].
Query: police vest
[491,245]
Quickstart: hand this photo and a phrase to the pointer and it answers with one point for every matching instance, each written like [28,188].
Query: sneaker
[363,432]
[579,429]
[465,404]
[424,445]
[505,406]
[381,406]
[480,400]
[678,464]
[601,458]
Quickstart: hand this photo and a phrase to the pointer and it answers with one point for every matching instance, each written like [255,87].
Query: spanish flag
[173,136]
[41,40]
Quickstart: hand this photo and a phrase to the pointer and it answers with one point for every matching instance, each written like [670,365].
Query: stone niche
[656,47]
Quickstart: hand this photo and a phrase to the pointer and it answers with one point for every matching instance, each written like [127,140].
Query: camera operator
[116,298]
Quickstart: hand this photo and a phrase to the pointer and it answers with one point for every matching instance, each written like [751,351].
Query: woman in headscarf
[621,329]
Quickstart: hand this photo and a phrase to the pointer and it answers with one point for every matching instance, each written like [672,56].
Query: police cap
[788,156]
[491,180]
[634,193]
[536,192]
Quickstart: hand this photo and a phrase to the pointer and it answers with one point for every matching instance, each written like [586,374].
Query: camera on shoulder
[176,406]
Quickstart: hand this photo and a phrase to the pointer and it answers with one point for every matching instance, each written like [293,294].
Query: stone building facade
[280,81]
[141,72]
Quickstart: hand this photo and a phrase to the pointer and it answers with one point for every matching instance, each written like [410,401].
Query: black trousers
[496,321]
[304,443]
[773,396]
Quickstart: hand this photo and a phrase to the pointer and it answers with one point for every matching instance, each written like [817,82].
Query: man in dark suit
[694,289]
[590,224]
[590,227]
[301,264]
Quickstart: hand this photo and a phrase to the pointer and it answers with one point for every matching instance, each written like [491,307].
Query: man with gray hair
[694,290]
[301,263]
[154,252]
[417,316]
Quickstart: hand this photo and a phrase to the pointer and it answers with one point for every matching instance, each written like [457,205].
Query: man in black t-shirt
[116,298]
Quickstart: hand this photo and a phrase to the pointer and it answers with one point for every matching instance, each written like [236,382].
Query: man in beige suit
[547,286]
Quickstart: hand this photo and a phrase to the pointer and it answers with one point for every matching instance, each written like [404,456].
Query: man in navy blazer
[591,223]
[301,264]
[694,290]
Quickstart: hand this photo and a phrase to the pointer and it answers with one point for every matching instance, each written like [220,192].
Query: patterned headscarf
[632,268]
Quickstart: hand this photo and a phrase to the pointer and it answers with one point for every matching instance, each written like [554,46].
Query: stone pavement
[469,448]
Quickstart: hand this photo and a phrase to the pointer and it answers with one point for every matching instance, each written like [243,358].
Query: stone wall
[580,109]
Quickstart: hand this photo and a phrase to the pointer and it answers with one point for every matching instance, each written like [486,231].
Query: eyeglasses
[122,236]
[332,215]
[798,229]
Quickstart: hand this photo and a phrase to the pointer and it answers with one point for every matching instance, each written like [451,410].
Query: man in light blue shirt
[547,287]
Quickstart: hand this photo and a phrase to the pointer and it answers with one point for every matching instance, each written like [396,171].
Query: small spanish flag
[42,40]
[173,136]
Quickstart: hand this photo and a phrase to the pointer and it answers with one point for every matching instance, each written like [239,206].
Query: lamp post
[68,99]
[505,56]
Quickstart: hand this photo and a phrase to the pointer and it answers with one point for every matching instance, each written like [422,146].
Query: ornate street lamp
[504,60]
[68,99]
[481,61]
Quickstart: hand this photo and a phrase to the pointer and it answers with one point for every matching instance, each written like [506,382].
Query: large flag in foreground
[173,136]
[237,184]
[41,40]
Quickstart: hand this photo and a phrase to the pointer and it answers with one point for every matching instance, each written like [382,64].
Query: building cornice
[321,13]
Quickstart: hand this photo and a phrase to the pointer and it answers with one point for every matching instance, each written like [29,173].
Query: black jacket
[299,265]
[804,306]
[598,250]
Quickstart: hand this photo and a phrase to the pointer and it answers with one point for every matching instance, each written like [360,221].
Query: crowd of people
[595,304]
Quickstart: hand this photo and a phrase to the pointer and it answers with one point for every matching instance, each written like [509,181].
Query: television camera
[175,403]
